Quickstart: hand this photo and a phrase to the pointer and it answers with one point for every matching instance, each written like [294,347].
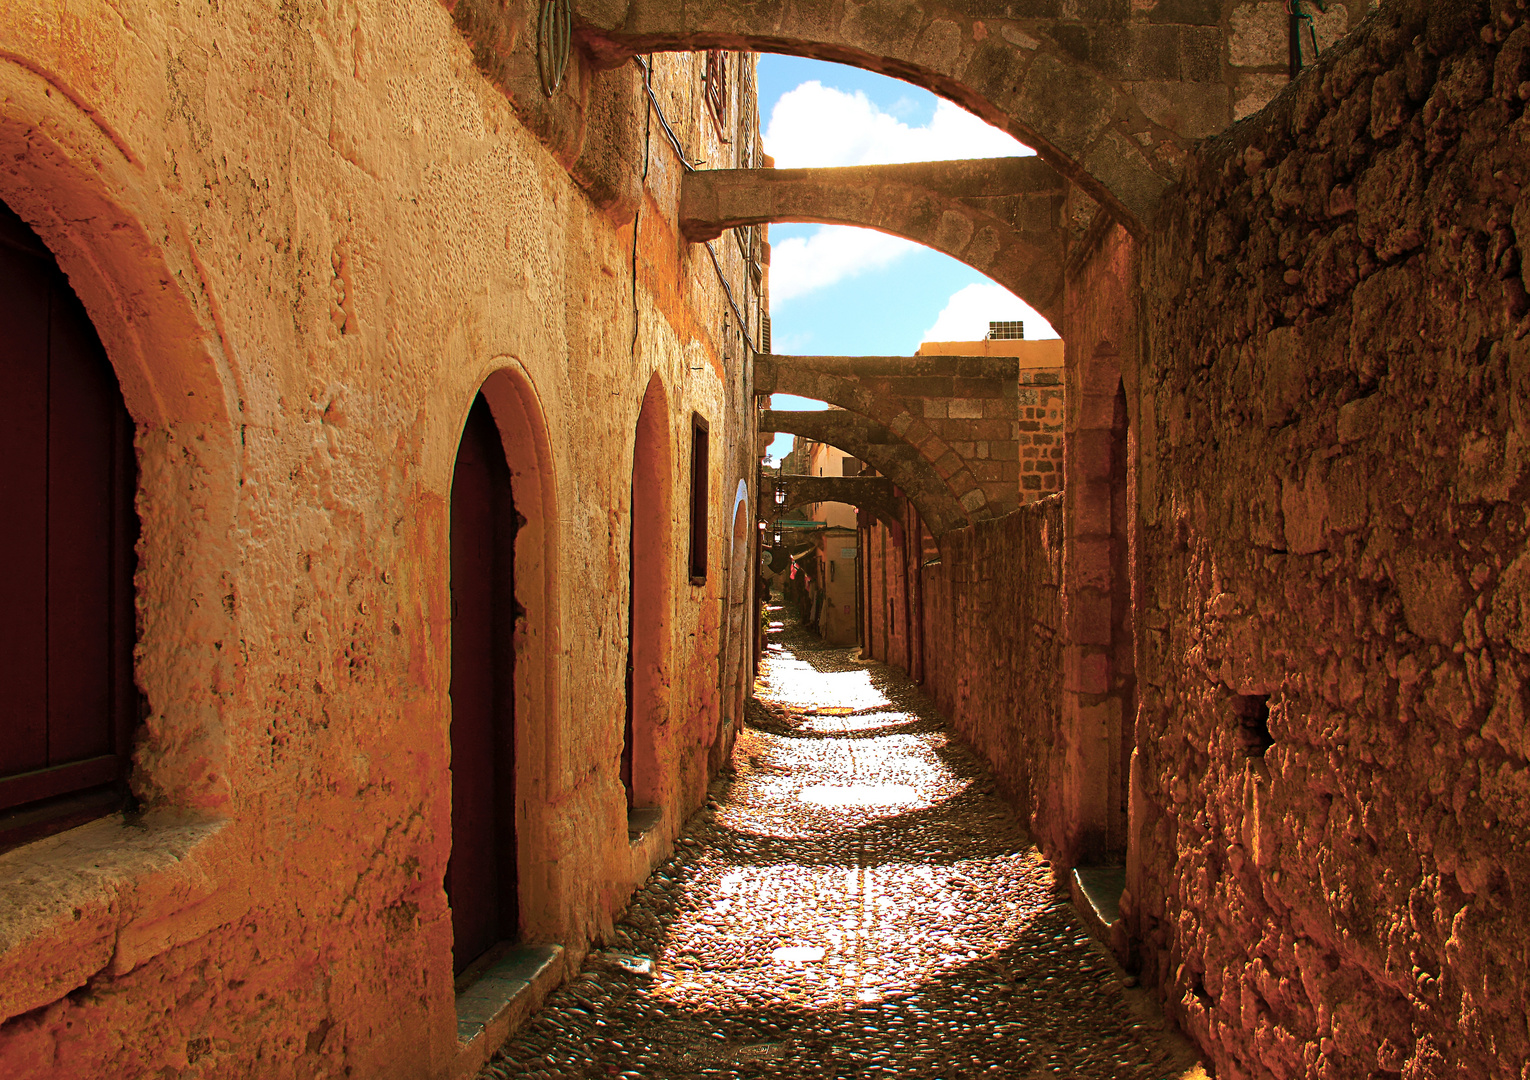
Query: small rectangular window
[699,475]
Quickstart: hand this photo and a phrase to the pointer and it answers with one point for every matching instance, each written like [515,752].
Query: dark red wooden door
[66,552]
[480,875]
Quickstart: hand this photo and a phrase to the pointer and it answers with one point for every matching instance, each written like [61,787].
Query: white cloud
[817,126]
[967,314]
[800,265]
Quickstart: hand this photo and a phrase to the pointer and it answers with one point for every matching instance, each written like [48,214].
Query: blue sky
[851,292]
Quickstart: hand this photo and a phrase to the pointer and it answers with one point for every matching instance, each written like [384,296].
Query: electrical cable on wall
[637,217]
[689,166]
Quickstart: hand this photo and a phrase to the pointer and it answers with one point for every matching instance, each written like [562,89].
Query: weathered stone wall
[1332,511]
[308,233]
[992,648]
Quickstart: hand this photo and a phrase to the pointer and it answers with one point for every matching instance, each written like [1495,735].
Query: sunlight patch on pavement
[860,795]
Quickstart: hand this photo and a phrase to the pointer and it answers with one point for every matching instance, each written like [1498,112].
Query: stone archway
[538,750]
[1084,91]
[890,455]
[650,569]
[876,495]
[1004,217]
[733,683]
[79,185]
[960,413]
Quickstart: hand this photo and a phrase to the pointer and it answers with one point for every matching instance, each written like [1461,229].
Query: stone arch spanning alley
[890,455]
[1112,102]
[959,413]
[1003,217]
[874,494]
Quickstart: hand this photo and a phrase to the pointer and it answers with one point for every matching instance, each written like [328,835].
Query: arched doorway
[67,624]
[733,681]
[481,873]
[648,596]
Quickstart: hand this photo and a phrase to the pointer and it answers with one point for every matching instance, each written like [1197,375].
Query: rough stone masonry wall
[1040,433]
[1333,485]
[992,650]
[308,233]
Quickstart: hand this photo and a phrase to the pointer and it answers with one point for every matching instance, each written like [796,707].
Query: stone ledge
[1096,892]
[641,821]
[499,1001]
[107,897]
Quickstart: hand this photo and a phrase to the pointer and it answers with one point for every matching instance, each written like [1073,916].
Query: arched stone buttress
[877,495]
[1001,216]
[887,453]
[1071,87]
[898,392]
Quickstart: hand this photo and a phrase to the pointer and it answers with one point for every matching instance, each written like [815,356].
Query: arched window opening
[481,880]
[67,625]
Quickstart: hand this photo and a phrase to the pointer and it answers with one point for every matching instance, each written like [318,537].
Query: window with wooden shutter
[699,498]
[66,554]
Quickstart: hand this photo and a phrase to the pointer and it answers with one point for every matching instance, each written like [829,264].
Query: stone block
[1260,35]
[964,408]
[1193,109]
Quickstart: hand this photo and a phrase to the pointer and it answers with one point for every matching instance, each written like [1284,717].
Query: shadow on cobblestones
[854,901]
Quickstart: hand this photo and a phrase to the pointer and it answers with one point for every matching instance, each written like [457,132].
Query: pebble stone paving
[853,902]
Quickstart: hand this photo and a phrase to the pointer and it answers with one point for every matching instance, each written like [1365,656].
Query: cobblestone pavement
[853,902]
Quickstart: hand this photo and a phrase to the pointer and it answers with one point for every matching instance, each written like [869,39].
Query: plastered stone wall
[308,233]
[1332,513]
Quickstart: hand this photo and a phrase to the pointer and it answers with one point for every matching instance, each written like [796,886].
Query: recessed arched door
[481,872]
[66,553]
[648,599]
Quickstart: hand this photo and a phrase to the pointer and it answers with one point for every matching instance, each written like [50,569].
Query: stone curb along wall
[993,649]
[308,233]
[1333,414]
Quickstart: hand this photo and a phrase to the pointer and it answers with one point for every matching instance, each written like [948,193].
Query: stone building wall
[1040,433]
[307,234]
[1332,815]
[992,649]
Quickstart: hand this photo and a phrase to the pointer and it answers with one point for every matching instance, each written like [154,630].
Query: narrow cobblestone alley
[855,901]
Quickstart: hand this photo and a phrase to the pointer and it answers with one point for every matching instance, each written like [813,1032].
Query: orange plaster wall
[307,238]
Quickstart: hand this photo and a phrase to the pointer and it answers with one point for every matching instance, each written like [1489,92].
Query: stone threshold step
[1096,892]
[498,1001]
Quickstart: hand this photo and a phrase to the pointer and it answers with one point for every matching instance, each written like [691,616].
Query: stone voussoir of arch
[1070,80]
[895,458]
[1004,217]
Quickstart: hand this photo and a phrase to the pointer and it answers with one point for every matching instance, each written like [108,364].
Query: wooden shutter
[66,554]
[699,498]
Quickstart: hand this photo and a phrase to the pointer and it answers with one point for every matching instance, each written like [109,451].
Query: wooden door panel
[24,301]
[476,866]
[83,405]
